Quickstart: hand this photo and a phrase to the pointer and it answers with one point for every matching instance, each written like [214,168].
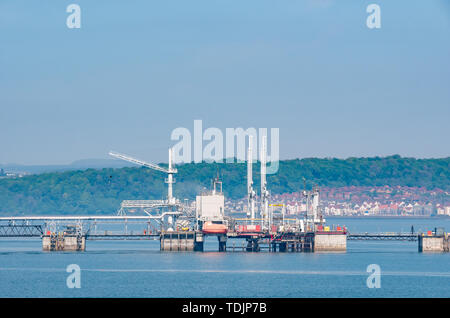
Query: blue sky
[136,70]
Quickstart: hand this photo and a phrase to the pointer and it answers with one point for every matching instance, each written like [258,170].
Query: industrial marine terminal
[182,227]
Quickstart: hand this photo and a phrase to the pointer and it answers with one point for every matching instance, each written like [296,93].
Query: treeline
[94,191]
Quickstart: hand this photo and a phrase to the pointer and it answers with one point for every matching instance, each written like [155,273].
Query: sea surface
[139,269]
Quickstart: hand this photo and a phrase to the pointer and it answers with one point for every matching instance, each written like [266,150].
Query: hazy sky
[136,70]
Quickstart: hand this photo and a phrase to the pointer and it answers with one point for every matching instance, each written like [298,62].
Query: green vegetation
[101,191]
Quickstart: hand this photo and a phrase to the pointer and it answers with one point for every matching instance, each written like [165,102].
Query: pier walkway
[384,236]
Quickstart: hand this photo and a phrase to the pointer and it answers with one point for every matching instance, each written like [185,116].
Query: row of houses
[294,204]
[443,210]
[378,209]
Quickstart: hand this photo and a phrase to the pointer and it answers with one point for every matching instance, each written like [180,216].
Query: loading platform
[75,237]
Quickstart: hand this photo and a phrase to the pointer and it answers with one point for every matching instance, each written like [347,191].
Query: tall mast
[170,180]
[250,192]
[315,203]
[264,192]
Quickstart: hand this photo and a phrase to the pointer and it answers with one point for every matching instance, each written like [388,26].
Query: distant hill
[98,191]
[76,165]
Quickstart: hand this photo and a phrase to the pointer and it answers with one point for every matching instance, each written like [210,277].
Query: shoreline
[387,217]
[373,216]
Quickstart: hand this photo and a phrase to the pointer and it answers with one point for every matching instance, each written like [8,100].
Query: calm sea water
[139,269]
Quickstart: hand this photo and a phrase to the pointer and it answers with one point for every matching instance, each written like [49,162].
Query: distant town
[364,201]
[4,174]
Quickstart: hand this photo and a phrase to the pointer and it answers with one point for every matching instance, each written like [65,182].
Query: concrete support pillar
[446,243]
[177,241]
[249,246]
[198,242]
[252,245]
[433,244]
[329,242]
[222,243]
[63,242]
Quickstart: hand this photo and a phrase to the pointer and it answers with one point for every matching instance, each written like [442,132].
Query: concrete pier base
[63,243]
[434,243]
[177,241]
[330,242]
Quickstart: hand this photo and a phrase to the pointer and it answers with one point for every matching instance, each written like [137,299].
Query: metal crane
[171,201]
